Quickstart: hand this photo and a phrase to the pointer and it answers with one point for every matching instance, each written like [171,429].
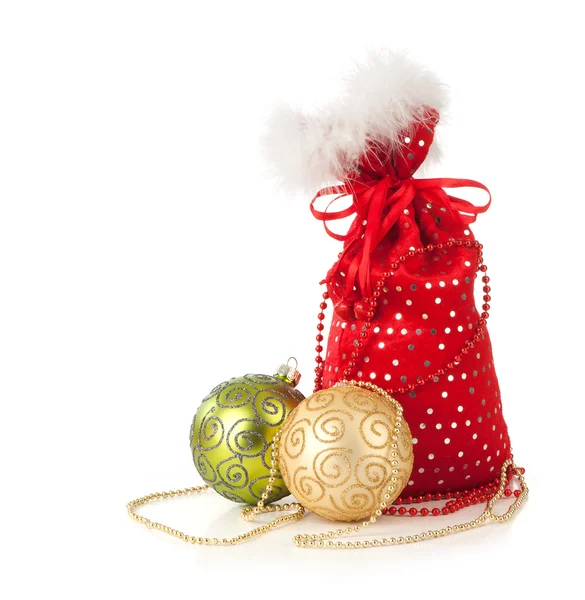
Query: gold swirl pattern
[329,427]
[405,448]
[332,467]
[359,499]
[360,400]
[335,453]
[294,436]
[319,402]
[308,488]
[376,429]
[373,471]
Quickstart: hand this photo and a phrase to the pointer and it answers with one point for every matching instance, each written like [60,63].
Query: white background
[145,257]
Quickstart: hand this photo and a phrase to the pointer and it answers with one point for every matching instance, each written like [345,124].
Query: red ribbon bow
[379,204]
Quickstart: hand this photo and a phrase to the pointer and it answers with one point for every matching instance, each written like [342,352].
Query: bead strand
[455,500]
[319,369]
[373,304]
[248,514]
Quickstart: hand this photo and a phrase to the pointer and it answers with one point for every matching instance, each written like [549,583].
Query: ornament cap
[288,372]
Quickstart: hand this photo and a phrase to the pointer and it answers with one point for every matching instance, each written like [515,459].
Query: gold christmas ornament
[341,450]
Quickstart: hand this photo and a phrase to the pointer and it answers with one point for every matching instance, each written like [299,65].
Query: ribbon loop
[377,206]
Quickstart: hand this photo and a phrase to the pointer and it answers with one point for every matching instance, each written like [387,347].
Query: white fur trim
[382,98]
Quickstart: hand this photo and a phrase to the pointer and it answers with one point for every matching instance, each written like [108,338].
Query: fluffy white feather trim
[383,97]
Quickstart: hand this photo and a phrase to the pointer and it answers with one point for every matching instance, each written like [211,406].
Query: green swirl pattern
[232,432]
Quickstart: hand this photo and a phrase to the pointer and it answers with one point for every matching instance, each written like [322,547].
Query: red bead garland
[373,304]
[319,348]
[455,500]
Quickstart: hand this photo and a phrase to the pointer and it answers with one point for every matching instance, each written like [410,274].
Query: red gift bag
[405,316]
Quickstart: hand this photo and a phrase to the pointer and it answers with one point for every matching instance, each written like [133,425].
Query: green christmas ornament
[232,432]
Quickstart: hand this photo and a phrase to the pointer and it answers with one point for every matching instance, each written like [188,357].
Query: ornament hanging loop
[289,373]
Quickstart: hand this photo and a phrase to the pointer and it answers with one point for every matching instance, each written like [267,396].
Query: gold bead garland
[258,509]
[324,540]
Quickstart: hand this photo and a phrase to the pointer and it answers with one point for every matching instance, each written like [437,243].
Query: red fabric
[425,314]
